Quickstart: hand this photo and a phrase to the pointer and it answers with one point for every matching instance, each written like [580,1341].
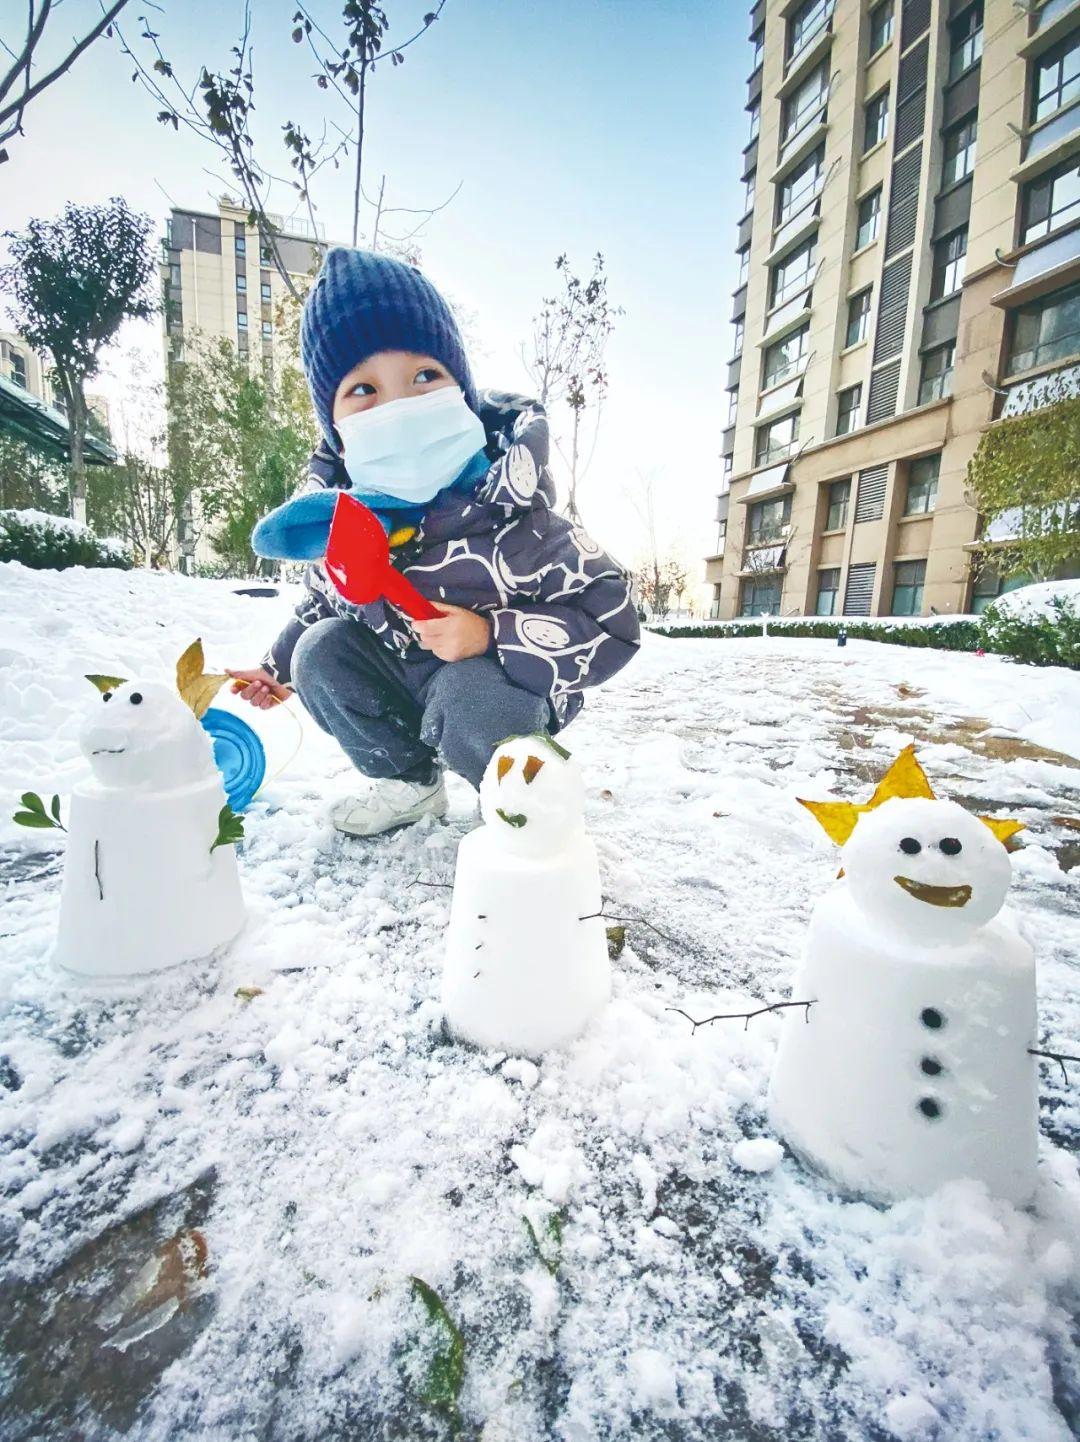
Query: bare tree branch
[744,1016]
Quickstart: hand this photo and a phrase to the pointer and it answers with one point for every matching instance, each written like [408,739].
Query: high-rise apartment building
[218,279]
[909,274]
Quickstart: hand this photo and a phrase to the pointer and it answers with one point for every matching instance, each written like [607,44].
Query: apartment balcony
[1049,142]
[714,569]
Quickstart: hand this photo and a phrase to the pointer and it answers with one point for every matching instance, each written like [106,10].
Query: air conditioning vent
[892,309]
[870,497]
[859,593]
[884,385]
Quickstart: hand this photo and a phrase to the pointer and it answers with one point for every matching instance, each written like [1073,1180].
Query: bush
[1050,637]
[960,635]
[52,543]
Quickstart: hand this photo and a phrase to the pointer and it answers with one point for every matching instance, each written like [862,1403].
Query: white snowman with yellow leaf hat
[526,954]
[150,878]
[910,1066]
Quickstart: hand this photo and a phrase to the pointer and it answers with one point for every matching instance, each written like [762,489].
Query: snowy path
[213,1203]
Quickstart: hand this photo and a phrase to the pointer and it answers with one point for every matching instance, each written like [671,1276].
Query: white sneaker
[389,804]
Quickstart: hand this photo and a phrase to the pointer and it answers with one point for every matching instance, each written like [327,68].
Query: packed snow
[218,1189]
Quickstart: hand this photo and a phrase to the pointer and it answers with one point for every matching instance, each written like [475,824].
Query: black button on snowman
[912,1066]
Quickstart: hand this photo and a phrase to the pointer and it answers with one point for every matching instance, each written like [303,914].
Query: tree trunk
[572,511]
[359,149]
[77,431]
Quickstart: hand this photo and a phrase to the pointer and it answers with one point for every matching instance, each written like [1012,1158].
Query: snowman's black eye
[910,847]
[107,696]
[950,846]
[135,698]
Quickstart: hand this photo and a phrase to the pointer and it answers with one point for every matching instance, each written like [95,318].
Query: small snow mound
[652,1381]
[911,1416]
[757,1154]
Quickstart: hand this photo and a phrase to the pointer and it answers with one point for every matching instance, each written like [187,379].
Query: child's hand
[455,636]
[258,687]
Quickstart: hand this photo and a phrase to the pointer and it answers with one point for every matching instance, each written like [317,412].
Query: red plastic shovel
[358,562]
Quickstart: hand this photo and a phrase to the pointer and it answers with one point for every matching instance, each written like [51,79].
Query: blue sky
[573,125]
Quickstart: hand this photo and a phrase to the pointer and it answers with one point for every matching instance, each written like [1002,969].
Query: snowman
[526,957]
[911,1068]
[150,879]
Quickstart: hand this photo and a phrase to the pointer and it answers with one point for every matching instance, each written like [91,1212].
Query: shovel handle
[401,591]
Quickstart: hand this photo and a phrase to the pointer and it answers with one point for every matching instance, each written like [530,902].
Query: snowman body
[144,886]
[911,1068]
[526,962]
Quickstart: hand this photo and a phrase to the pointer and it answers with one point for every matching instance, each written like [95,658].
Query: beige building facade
[910,273]
[219,280]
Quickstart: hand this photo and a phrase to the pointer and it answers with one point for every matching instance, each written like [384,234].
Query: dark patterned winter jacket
[561,612]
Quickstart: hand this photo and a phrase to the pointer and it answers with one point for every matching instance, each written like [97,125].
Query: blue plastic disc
[238,753]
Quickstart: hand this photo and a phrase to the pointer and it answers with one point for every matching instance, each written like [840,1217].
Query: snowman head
[926,869]
[532,795]
[141,736]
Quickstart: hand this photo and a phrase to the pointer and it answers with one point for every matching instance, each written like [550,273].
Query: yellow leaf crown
[904,778]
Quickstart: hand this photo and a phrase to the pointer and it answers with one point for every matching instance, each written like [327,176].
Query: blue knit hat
[363,303]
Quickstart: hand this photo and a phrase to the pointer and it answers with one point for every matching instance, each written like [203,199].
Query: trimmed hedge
[1051,638]
[53,543]
[1046,640]
[960,635]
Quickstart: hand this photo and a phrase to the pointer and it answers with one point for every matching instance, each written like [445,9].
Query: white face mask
[411,449]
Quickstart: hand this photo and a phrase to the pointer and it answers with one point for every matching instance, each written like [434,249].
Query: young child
[534,611]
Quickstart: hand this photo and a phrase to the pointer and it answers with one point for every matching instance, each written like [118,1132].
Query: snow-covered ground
[216,1194]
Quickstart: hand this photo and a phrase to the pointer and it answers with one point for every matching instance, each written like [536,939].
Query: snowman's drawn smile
[511,820]
[110,751]
[935,895]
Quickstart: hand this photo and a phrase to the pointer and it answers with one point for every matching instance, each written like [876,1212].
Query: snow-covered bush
[1038,624]
[52,543]
[962,633]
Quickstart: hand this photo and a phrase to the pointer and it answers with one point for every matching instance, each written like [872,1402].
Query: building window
[740,331]
[757,40]
[265,258]
[174,275]
[241,320]
[876,121]
[949,257]
[828,589]
[935,379]
[760,596]
[744,264]
[848,403]
[267,329]
[881,26]
[241,283]
[1057,77]
[728,471]
[240,245]
[959,153]
[806,21]
[804,102]
[784,357]
[836,512]
[965,40]
[766,520]
[749,192]
[858,317]
[755,118]
[264,291]
[989,585]
[908,579]
[1051,201]
[796,191]
[1045,330]
[922,484]
[793,274]
[17,368]
[869,219]
[732,405]
[775,441]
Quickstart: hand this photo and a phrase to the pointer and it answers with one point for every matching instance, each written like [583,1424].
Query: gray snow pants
[398,718]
